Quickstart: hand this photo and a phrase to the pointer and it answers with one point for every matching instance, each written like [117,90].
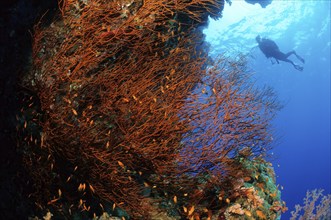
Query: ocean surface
[301,156]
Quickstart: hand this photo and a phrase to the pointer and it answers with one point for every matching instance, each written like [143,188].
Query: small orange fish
[91,188]
[67,100]
[121,164]
[261,186]
[52,201]
[81,187]
[68,178]
[248,213]
[190,212]
[74,111]
[247,178]
[102,206]
[260,214]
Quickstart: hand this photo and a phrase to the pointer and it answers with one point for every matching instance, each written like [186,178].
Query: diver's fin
[300,58]
[300,68]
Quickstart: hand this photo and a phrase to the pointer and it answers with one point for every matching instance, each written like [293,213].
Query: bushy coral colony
[129,117]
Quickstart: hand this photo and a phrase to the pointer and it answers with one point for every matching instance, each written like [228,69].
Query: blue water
[302,152]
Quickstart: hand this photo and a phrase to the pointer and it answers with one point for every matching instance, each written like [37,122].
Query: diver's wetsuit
[270,49]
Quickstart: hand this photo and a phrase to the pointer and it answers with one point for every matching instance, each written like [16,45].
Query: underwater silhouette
[262,3]
[270,49]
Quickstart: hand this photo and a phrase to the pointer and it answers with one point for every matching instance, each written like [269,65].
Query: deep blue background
[302,127]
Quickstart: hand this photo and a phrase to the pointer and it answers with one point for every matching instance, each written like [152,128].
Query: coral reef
[259,195]
[128,115]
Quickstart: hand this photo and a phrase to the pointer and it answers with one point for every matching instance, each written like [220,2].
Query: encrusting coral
[259,195]
[129,113]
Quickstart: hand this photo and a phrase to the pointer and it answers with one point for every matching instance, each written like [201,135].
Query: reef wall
[124,112]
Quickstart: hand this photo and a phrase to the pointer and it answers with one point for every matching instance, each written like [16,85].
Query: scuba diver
[270,49]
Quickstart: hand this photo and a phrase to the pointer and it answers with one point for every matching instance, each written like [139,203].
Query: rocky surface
[17,18]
